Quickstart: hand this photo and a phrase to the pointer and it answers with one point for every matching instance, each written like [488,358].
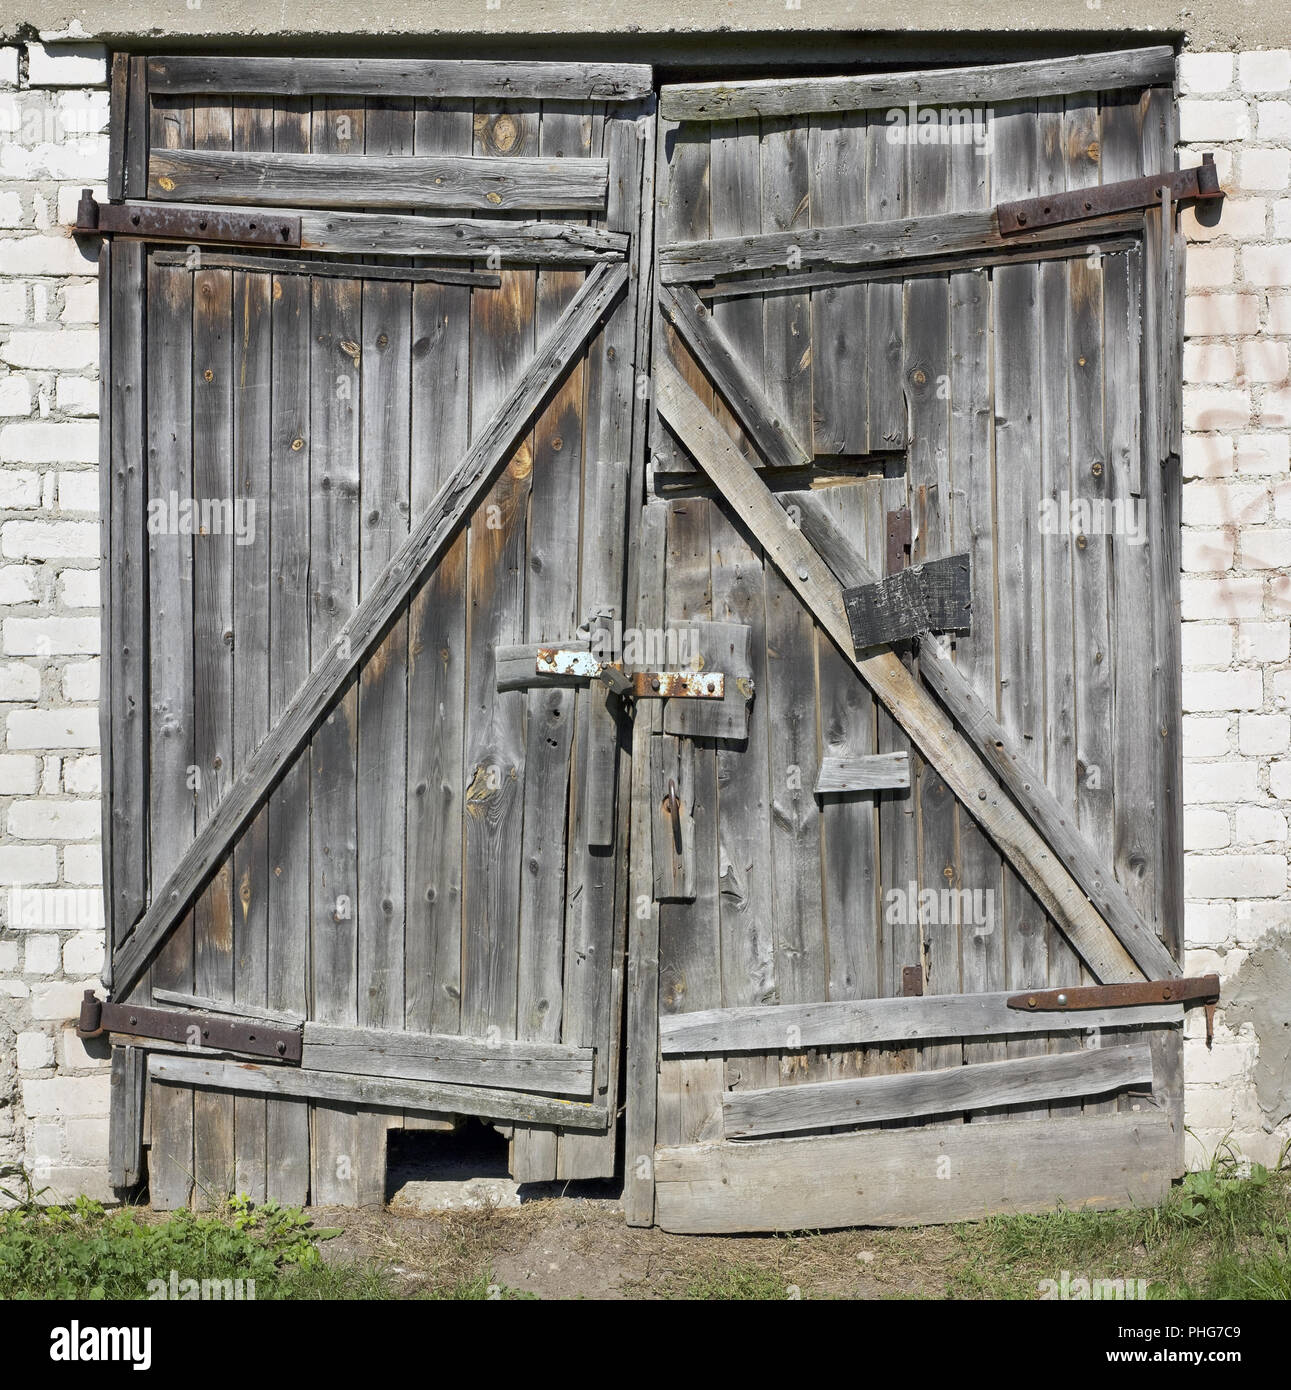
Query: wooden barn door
[370,420]
[954,787]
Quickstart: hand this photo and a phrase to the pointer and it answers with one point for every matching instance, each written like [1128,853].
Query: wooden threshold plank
[374,181]
[946,1091]
[374,1093]
[887,1177]
[1089,72]
[863,1022]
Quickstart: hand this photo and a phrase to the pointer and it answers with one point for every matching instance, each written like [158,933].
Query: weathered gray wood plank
[374,1093]
[820,1182]
[978,1086]
[862,1022]
[125,1137]
[376,181]
[863,772]
[281,265]
[330,669]
[432,79]
[501,1063]
[1094,72]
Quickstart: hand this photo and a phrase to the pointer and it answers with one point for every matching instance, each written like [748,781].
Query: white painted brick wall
[1236,549]
[1236,593]
[53,141]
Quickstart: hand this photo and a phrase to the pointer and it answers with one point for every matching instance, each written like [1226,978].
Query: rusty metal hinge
[1126,195]
[1195,989]
[160,222]
[639,685]
[225,1034]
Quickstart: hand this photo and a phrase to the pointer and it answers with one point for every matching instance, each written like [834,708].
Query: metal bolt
[1062,999]
[654,683]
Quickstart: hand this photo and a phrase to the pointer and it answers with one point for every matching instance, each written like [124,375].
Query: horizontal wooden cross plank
[866,772]
[928,725]
[1006,757]
[374,1092]
[862,243]
[331,270]
[867,1022]
[434,79]
[520,1066]
[333,667]
[375,181]
[885,1177]
[1045,77]
[945,1091]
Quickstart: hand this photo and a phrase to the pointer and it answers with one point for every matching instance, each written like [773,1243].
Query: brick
[18,584]
[83,954]
[80,303]
[1212,408]
[1263,641]
[44,255]
[1275,411]
[1282,218]
[1209,362]
[1268,71]
[53,728]
[19,682]
[19,488]
[1280,779]
[79,588]
[83,776]
[1235,875]
[1267,265]
[50,540]
[1207,924]
[1205,72]
[41,954]
[1236,780]
[28,864]
[1206,736]
[1257,825]
[1225,503]
[87,1140]
[68,64]
[77,395]
[54,909]
[61,349]
[1264,169]
[1221,690]
[35,1050]
[81,681]
[1210,267]
[66,1095]
[15,396]
[1218,315]
[1208,550]
[1241,219]
[79,492]
[1262,453]
[45,636]
[1212,120]
[54,820]
[1207,644]
[45,441]
[1265,361]
[18,774]
[1207,455]
[1205,828]
[83,864]
[1277,594]
[1265,547]
[1223,599]
[9,66]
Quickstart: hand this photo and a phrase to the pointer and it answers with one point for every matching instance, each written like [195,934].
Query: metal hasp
[224,1034]
[1195,989]
[1201,182]
[640,685]
[153,222]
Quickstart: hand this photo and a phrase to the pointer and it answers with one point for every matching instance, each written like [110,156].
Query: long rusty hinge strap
[224,1033]
[1200,181]
[155,222]
[1181,990]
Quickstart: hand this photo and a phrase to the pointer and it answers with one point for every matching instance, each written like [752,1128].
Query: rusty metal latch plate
[641,685]
[159,222]
[226,1034]
[1126,195]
